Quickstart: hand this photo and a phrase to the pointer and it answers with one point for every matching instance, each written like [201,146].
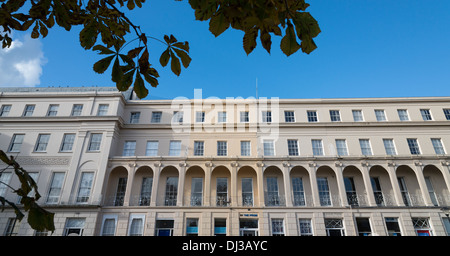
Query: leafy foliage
[263,17]
[38,218]
[103,21]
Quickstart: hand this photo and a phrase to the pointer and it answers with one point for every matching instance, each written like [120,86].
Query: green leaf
[117,73]
[185,59]
[151,80]
[144,65]
[289,43]
[182,45]
[130,4]
[135,52]
[175,65]
[266,40]
[39,219]
[102,49]
[165,56]
[249,40]
[43,30]
[35,32]
[218,24]
[88,36]
[102,65]
[139,86]
[126,81]
[307,28]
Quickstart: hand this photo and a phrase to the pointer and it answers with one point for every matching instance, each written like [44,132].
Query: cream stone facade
[108,163]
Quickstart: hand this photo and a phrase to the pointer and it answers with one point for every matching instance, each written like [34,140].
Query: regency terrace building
[107,163]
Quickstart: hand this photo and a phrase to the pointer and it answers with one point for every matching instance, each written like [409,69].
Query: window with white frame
[247,191]
[277,227]
[199,148]
[305,227]
[341,147]
[380,115]
[67,142]
[222,192]
[334,227]
[392,226]
[134,117]
[317,147]
[55,189]
[28,111]
[175,148]
[84,190]
[222,117]
[243,117]
[152,148]
[171,195]
[146,191]
[12,227]
[413,146]
[245,148]
[177,117]
[312,116]
[272,195]
[366,149]
[129,148]
[426,114]
[119,197]
[197,192]
[269,149]
[52,110]
[16,143]
[422,226]
[76,110]
[109,225]
[324,191]
[357,115]
[220,227]
[221,148]
[74,226]
[136,225]
[192,226]
[335,116]
[446,113]
[42,142]
[363,226]
[4,111]
[266,116]
[298,192]
[403,114]
[5,178]
[200,116]
[447,225]
[102,109]
[293,147]
[289,116]
[164,227]
[389,147]
[156,117]
[95,142]
[437,145]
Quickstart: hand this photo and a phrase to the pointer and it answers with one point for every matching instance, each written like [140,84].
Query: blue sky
[367,48]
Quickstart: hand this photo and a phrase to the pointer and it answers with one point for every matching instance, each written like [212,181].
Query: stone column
[314,187]
[287,183]
[181,175]
[155,183]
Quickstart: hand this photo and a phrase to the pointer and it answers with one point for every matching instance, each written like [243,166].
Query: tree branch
[136,28]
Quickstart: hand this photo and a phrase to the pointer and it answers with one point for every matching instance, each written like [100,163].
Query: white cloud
[21,64]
